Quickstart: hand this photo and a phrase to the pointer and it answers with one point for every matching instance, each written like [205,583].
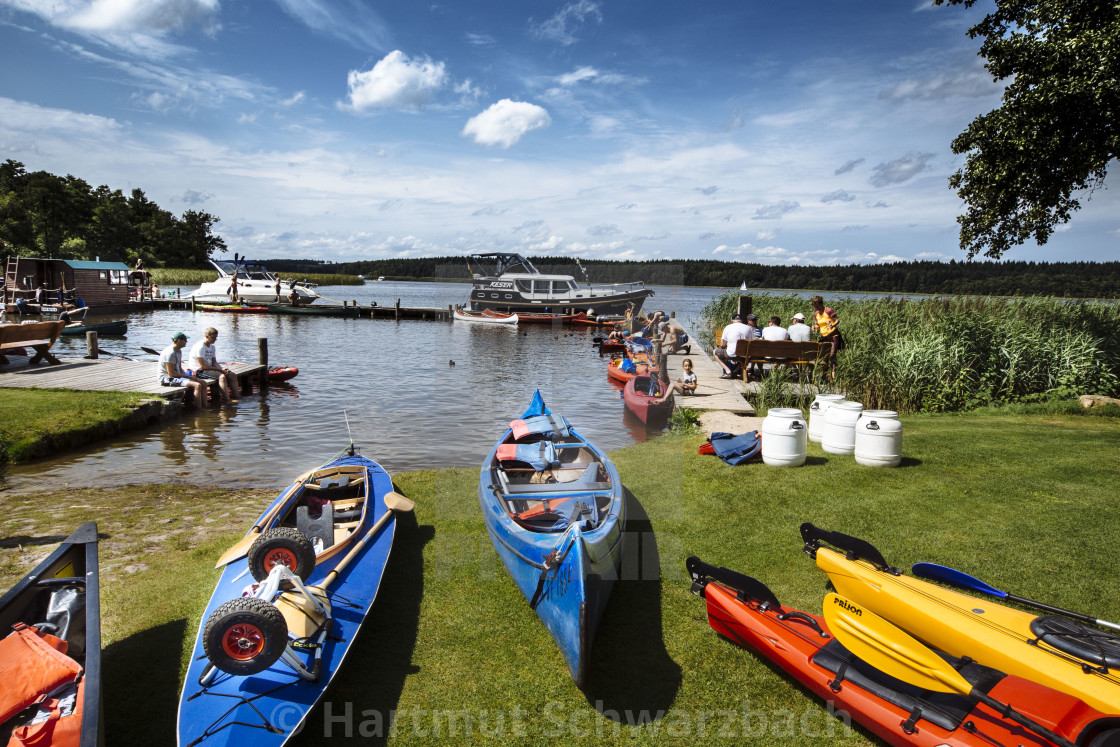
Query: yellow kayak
[961,625]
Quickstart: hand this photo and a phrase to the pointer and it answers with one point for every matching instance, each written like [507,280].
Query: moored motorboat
[266,651]
[51,661]
[463,315]
[554,508]
[1059,653]
[254,282]
[515,284]
[746,612]
[104,328]
[641,397]
[282,373]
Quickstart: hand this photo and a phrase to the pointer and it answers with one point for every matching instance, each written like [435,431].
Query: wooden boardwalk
[103,375]
[712,392]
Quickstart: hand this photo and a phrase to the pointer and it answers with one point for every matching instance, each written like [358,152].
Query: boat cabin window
[525,286]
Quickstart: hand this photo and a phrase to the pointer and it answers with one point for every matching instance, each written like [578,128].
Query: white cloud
[975,82]
[353,21]
[562,27]
[140,26]
[838,196]
[396,82]
[848,166]
[900,169]
[506,122]
[295,99]
[776,210]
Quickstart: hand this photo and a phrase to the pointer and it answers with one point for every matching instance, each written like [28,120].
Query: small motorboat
[52,654]
[554,508]
[104,328]
[282,373]
[270,644]
[745,611]
[641,395]
[255,284]
[480,317]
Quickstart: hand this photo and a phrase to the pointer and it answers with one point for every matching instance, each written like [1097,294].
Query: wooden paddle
[962,580]
[396,503]
[895,652]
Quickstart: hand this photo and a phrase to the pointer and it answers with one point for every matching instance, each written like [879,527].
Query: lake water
[407,407]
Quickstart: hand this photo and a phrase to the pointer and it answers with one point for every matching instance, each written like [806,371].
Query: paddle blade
[953,577]
[394,501]
[889,649]
[239,550]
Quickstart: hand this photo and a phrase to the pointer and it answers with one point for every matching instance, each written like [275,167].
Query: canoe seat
[321,528]
[586,481]
[344,530]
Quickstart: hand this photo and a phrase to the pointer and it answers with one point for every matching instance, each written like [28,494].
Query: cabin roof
[81,264]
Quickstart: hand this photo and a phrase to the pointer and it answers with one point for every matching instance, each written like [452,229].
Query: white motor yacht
[255,284]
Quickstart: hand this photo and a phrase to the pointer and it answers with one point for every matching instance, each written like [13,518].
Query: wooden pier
[107,375]
[712,392]
[351,310]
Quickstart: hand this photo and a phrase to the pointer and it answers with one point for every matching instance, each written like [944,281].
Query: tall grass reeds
[949,354]
[170,276]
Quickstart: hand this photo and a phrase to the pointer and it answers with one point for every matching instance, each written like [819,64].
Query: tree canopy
[63,218]
[1054,134]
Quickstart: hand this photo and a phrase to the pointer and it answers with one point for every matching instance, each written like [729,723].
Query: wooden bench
[778,352]
[38,336]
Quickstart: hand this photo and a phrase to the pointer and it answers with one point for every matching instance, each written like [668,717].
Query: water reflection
[407,406]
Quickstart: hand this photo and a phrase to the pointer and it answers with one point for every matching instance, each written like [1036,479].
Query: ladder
[11,279]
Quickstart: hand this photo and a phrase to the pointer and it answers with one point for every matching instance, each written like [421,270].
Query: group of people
[657,325]
[204,358]
[825,322]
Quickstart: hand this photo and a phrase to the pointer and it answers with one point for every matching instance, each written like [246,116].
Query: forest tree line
[63,217]
[1004,278]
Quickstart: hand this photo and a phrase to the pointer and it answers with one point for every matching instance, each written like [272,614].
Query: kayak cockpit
[328,508]
[576,487]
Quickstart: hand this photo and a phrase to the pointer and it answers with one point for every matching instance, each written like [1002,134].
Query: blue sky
[802,132]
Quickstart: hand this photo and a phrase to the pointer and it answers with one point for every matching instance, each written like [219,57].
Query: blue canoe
[554,509]
[340,512]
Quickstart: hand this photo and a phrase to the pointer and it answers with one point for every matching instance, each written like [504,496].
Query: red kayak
[282,373]
[641,394]
[234,309]
[614,370]
[611,346]
[523,318]
[743,610]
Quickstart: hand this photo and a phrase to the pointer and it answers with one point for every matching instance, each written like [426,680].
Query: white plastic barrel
[839,433]
[816,414]
[878,439]
[784,437]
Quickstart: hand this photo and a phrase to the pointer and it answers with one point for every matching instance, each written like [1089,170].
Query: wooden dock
[396,311]
[105,375]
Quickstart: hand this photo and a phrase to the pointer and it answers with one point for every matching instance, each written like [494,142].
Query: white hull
[485,319]
[253,291]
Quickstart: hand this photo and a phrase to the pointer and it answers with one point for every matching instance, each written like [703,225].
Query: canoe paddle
[396,503]
[962,580]
[893,651]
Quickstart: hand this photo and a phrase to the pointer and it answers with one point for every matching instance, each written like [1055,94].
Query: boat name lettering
[845,604]
[557,586]
[501,284]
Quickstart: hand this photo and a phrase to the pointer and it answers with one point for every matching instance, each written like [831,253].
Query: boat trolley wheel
[245,636]
[281,546]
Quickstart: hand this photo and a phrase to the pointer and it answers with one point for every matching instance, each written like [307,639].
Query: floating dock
[353,311]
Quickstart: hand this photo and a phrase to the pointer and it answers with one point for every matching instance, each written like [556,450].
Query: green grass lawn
[1025,502]
[29,417]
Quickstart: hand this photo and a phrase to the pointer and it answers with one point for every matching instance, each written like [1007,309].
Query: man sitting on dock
[171,371]
[205,359]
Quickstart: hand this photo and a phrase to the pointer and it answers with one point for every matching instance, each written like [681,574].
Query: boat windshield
[502,263]
[251,271]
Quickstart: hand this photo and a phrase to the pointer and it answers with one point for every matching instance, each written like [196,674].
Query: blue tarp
[736,449]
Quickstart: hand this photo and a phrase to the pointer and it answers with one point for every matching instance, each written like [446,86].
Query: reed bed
[951,354]
[168,276]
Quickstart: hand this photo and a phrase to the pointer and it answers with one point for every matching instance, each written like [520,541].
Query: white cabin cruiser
[255,284]
[515,285]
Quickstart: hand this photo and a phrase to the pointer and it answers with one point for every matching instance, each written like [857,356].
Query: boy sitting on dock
[205,359]
[171,371]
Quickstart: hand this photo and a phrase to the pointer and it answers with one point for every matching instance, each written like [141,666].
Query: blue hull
[268,707]
[570,596]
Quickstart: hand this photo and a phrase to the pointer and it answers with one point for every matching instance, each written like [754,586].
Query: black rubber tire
[244,636]
[1106,738]
[281,545]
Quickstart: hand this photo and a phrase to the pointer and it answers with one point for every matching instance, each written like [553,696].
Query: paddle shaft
[333,575]
[1009,713]
[1063,612]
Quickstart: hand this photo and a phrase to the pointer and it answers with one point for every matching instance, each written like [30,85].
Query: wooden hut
[102,286]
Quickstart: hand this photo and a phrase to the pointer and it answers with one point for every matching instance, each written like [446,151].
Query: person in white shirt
[725,353]
[205,359]
[171,371]
[686,384]
[799,331]
[774,331]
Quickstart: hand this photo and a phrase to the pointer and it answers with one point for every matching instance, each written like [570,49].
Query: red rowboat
[645,405]
[282,373]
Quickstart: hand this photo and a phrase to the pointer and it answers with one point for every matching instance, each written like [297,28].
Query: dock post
[91,344]
[397,312]
[192,303]
[262,358]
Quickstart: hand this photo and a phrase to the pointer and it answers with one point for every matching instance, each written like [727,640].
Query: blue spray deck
[267,707]
[567,575]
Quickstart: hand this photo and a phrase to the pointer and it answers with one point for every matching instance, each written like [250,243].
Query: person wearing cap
[205,359]
[171,371]
[725,353]
[799,331]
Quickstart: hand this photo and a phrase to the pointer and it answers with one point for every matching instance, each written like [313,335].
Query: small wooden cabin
[97,284]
